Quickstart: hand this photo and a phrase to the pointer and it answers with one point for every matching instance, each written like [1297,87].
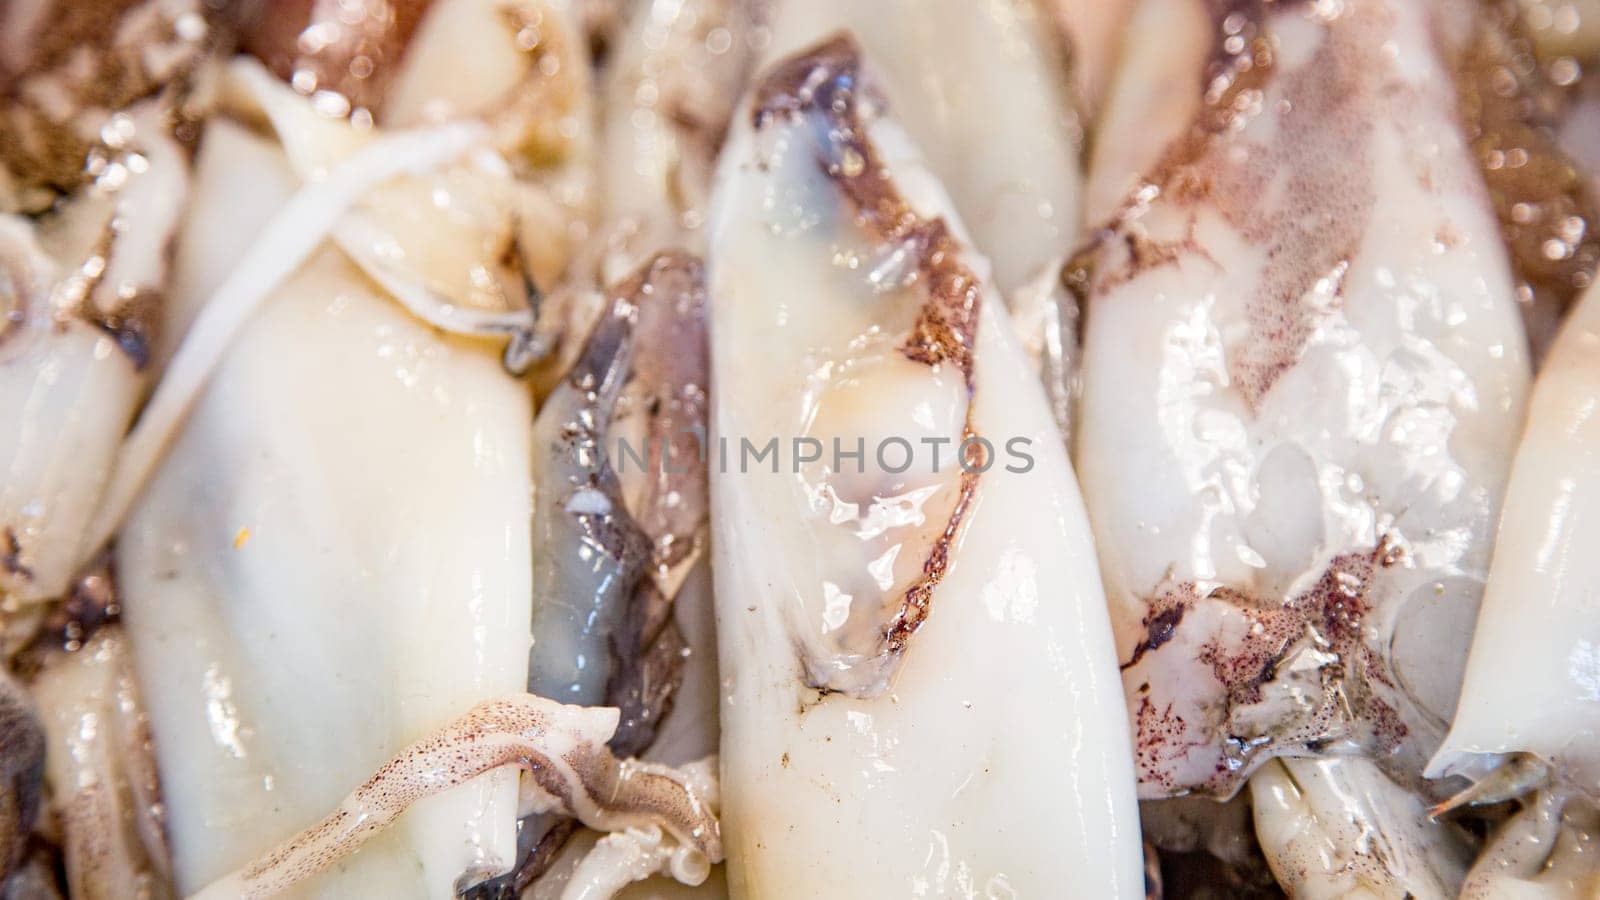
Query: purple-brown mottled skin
[827,80]
[74,47]
[1334,609]
[1304,197]
[96,59]
[1325,208]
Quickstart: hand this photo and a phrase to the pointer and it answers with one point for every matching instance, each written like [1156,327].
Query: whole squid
[93,179]
[913,647]
[1527,722]
[345,569]
[1303,374]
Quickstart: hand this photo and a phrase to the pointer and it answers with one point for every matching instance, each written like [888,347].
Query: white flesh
[293,622]
[982,88]
[1341,829]
[523,67]
[61,385]
[1533,680]
[674,77]
[1550,850]
[992,755]
[1153,95]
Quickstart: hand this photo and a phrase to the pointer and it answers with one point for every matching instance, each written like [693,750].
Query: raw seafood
[916,657]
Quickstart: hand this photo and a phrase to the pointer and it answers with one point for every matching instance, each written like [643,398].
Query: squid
[1304,372]
[675,71]
[949,64]
[1526,723]
[914,648]
[1017,181]
[102,776]
[620,496]
[292,625]
[562,748]
[93,179]
[668,94]
[613,544]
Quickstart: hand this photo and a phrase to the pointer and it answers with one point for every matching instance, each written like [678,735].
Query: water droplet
[852,164]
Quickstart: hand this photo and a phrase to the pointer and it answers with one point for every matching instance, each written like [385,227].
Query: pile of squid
[538,449]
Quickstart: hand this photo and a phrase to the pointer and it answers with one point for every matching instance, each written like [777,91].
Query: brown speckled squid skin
[1511,111]
[1348,710]
[829,81]
[1322,215]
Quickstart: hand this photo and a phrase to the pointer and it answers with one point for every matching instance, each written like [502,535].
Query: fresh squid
[1527,719]
[620,500]
[1304,372]
[948,64]
[102,776]
[346,569]
[92,183]
[668,94]
[1016,181]
[1334,828]
[613,540]
[914,651]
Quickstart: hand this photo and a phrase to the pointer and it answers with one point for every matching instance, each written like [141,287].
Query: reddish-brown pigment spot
[1329,617]
[1305,197]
